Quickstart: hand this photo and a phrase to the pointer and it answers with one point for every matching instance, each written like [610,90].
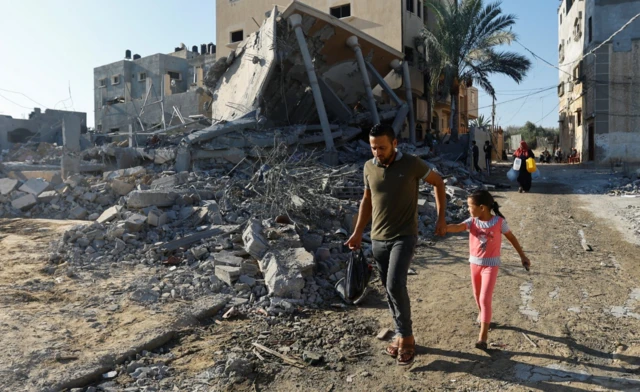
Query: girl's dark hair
[484,198]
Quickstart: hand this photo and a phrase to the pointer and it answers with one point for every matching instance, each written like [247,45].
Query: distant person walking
[485,241]
[476,156]
[487,155]
[524,177]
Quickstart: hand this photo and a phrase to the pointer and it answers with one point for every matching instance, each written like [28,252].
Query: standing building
[599,79]
[145,90]
[395,23]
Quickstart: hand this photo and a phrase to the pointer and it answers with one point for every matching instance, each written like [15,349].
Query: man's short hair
[473,142]
[383,130]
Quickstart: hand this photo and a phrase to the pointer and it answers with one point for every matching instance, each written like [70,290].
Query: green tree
[463,48]
[480,122]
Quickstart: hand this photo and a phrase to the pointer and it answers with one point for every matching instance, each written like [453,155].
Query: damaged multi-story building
[151,92]
[394,23]
[598,89]
[39,127]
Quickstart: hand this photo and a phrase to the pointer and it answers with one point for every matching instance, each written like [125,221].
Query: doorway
[592,143]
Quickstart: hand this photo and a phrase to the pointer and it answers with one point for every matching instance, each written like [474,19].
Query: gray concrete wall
[41,126]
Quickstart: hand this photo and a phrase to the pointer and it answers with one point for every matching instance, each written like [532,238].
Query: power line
[15,103]
[24,95]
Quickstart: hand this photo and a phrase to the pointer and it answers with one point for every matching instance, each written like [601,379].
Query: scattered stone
[228,274]
[78,213]
[109,214]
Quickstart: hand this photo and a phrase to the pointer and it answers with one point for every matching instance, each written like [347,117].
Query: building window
[237,36]
[560,16]
[561,51]
[561,89]
[174,75]
[410,6]
[408,54]
[99,128]
[342,11]
[142,76]
[115,80]
[473,98]
[103,82]
[577,28]
[579,118]
[419,9]
[114,130]
[576,72]
[590,31]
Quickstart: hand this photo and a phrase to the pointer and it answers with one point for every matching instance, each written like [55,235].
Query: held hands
[525,262]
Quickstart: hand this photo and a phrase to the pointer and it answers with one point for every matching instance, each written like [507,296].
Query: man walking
[487,156]
[391,181]
[475,151]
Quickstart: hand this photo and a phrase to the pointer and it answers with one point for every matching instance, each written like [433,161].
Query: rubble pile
[310,343]
[34,153]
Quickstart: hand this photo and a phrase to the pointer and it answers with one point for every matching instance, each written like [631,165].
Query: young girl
[485,240]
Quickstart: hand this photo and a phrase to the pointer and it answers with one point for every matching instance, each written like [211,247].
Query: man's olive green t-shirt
[394,195]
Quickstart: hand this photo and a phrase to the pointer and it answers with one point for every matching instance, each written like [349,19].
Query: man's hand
[355,241]
[441,227]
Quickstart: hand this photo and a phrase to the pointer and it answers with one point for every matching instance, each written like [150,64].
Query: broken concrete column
[183,160]
[296,22]
[352,42]
[71,131]
[412,113]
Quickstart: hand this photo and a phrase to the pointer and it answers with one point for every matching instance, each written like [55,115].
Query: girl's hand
[525,262]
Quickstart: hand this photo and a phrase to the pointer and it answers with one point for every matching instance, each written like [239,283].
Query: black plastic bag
[358,275]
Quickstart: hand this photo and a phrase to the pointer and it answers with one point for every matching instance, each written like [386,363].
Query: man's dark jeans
[393,259]
[476,159]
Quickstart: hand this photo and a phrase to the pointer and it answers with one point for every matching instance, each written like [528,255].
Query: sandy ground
[50,323]
[571,324]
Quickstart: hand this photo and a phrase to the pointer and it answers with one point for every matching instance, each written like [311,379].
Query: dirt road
[571,324]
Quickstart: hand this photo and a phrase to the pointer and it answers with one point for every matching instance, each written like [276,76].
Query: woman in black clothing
[524,177]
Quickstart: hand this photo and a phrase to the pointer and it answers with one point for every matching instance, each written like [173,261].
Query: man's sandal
[406,355]
[392,349]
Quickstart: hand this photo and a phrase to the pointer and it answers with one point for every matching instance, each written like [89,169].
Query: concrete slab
[25,202]
[142,199]
[35,186]
[7,185]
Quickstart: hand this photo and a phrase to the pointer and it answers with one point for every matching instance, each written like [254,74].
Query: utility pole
[493,115]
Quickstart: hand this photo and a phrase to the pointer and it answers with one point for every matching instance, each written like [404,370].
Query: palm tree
[480,122]
[463,49]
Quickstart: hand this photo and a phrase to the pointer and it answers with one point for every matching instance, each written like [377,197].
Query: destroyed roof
[336,49]
[265,75]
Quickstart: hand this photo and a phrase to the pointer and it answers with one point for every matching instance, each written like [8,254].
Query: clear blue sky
[51,46]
